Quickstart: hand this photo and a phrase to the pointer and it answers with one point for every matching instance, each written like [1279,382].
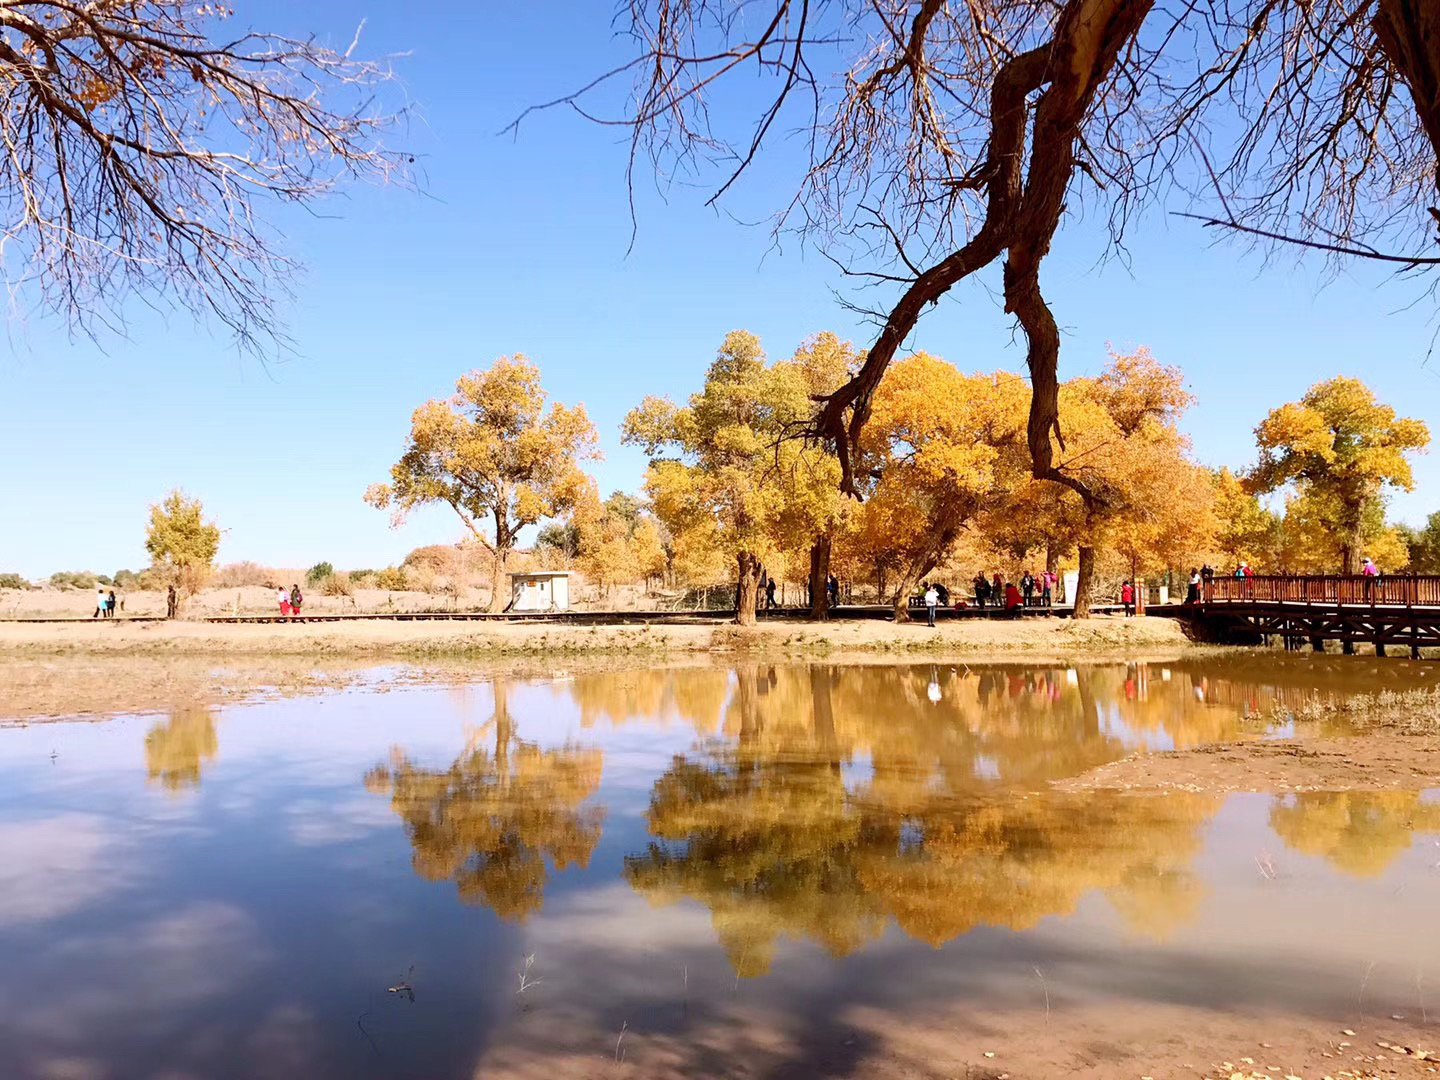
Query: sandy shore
[415,640]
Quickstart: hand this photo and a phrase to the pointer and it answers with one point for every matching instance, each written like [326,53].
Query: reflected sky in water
[749,850]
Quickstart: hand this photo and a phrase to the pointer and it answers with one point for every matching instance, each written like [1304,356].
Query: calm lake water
[656,867]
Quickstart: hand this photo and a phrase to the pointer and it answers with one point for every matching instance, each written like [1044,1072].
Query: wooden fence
[1332,590]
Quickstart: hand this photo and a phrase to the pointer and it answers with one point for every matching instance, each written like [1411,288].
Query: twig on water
[619,1053]
[524,975]
[1041,976]
[1360,998]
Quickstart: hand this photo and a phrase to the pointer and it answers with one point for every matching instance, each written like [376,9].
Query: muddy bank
[1125,1038]
[972,640]
[1373,761]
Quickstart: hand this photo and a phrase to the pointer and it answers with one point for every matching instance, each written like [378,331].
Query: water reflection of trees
[765,832]
[498,814]
[1358,832]
[177,749]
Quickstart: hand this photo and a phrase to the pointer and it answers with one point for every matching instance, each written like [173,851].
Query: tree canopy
[495,455]
[180,542]
[1341,449]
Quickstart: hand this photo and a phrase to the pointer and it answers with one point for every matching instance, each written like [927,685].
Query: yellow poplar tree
[180,542]
[934,440]
[710,480]
[495,455]
[1152,504]
[1341,449]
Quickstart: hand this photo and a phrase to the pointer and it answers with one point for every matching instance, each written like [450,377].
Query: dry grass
[972,640]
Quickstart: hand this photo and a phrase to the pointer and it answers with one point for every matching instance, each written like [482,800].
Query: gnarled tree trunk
[1084,582]
[497,581]
[820,579]
[747,590]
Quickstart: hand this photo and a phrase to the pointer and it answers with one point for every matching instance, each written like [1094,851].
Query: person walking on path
[284,602]
[932,599]
[172,603]
[1127,598]
[295,599]
[110,605]
[769,594]
[99,603]
[833,588]
[1192,594]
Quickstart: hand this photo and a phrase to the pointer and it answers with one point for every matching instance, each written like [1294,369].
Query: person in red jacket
[1127,597]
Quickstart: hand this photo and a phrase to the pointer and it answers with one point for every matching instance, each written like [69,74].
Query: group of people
[290,601]
[105,604]
[1032,590]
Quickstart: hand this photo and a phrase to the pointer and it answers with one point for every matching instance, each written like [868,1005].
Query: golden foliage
[494,453]
[180,542]
[1340,449]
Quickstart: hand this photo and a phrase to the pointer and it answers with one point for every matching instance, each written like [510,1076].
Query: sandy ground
[1101,1041]
[1375,761]
[972,639]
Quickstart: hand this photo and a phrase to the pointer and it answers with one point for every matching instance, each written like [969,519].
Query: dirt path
[1030,638]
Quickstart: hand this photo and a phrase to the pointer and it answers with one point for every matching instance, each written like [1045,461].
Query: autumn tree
[944,138]
[616,541]
[495,455]
[499,816]
[813,509]
[709,480]
[934,444]
[1422,546]
[1246,532]
[144,141]
[181,543]
[1341,450]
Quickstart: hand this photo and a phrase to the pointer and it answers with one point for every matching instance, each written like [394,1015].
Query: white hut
[547,590]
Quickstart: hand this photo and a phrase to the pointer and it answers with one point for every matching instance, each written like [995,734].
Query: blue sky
[519,245]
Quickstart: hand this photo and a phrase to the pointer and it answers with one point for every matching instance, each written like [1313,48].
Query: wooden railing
[1406,590]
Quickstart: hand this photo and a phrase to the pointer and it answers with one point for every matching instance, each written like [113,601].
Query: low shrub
[72,579]
[127,579]
[337,585]
[318,573]
[392,577]
[239,574]
[13,581]
[359,576]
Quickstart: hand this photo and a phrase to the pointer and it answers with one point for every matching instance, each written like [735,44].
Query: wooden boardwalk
[1398,610]
[580,618]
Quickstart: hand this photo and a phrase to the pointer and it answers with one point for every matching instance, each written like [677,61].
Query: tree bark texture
[1084,582]
[747,589]
[1409,35]
[820,579]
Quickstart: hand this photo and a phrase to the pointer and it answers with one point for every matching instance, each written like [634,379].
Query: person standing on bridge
[1192,595]
[1127,598]
[1371,573]
[295,599]
[932,600]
